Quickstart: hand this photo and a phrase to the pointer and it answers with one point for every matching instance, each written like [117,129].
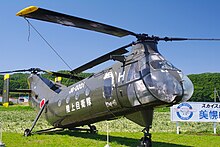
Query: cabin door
[109,90]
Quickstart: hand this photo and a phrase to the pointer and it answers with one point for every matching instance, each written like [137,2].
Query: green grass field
[117,139]
[123,132]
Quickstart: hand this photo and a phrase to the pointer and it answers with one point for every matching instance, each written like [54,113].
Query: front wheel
[146,142]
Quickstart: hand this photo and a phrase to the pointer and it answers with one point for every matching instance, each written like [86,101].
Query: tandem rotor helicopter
[137,83]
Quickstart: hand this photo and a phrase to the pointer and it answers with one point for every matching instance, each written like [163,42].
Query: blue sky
[173,18]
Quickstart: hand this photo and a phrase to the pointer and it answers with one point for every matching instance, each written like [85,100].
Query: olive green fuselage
[120,90]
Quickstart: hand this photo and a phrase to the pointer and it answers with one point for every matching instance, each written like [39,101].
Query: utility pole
[215,124]
[215,94]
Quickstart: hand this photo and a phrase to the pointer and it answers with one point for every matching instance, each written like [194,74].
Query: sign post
[214,127]
[177,128]
[214,124]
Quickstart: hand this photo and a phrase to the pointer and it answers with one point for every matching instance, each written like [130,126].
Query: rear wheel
[27,132]
[93,129]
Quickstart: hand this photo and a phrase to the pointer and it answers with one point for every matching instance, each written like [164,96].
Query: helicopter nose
[164,86]
[188,88]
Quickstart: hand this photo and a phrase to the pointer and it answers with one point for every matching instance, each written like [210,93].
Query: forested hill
[204,84]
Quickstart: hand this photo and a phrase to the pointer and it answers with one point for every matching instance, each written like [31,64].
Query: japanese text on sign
[196,111]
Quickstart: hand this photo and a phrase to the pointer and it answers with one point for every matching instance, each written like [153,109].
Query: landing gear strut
[27,132]
[146,140]
[92,129]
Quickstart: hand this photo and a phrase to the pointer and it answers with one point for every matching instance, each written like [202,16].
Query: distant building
[19,100]
[23,99]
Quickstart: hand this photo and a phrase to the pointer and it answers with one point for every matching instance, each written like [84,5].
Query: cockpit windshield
[160,77]
[152,76]
[162,64]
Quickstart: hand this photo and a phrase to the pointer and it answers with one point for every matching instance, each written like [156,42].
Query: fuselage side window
[108,88]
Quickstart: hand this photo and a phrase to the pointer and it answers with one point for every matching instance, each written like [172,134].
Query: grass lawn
[14,120]
[72,139]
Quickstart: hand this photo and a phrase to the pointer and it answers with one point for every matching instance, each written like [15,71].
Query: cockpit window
[133,72]
[154,57]
[53,86]
[108,84]
[162,64]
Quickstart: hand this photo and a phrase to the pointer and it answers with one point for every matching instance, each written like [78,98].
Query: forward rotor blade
[182,39]
[101,59]
[67,20]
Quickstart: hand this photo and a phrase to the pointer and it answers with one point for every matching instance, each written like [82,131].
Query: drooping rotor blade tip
[27,10]
[34,12]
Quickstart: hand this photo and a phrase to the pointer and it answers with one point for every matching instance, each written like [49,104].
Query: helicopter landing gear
[27,132]
[93,129]
[146,140]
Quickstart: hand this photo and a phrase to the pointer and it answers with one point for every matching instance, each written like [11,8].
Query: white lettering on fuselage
[77,88]
[111,104]
[79,105]
[121,77]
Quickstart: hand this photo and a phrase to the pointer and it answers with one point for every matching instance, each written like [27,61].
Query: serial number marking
[77,88]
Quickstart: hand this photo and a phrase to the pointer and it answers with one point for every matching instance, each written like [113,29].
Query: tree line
[204,84]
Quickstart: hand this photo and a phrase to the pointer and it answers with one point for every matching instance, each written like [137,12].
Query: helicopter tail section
[42,89]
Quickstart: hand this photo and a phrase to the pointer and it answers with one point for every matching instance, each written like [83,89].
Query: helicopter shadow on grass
[120,140]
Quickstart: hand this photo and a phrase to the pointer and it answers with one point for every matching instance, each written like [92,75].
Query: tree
[204,85]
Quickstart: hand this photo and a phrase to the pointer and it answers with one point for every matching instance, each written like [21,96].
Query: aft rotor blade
[36,70]
[67,20]
[14,71]
[69,76]
[20,90]
[101,59]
